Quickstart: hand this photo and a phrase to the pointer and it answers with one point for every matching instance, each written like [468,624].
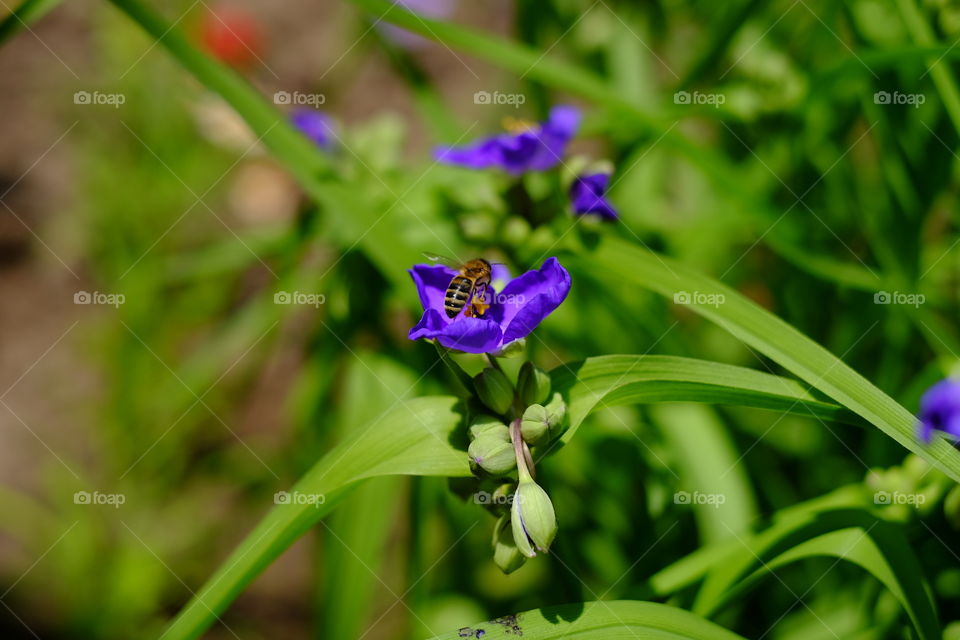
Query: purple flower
[536,148]
[426,8]
[940,409]
[513,313]
[587,195]
[315,125]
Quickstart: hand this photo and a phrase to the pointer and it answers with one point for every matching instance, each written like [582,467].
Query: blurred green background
[802,152]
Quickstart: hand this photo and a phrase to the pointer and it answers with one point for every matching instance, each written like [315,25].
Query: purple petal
[473,335]
[587,196]
[535,150]
[563,122]
[427,8]
[940,409]
[483,154]
[431,324]
[432,282]
[499,272]
[315,125]
[523,152]
[530,298]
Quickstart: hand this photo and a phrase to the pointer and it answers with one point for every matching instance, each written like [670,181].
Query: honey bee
[466,289]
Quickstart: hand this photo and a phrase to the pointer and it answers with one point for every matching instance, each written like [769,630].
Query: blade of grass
[768,334]
[614,620]
[630,379]
[28,12]
[411,439]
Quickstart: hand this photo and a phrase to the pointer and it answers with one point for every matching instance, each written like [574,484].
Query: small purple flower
[315,125]
[940,409]
[587,196]
[514,312]
[537,148]
[426,8]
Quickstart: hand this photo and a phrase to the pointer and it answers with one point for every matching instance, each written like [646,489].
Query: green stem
[526,472]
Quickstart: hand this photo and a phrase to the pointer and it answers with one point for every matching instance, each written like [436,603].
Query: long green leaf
[28,12]
[410,439]
[630,379]
[707,461]
[692,568]
[613,620]
[768,334]
[849,534]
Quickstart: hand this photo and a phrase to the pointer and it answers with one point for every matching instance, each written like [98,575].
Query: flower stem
[492,361]
[526,472]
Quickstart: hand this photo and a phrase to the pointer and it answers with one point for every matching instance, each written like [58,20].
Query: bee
[466,289]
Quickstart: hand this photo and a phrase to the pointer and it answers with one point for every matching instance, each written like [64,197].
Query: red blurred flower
[231,35]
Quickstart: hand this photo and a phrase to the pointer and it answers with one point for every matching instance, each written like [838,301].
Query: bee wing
[435,257]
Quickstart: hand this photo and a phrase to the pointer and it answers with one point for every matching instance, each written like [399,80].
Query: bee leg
[479,304]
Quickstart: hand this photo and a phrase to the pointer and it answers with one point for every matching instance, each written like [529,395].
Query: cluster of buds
[500,454]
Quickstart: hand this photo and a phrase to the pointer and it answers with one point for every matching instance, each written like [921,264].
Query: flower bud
[535,425]
[533,384]
[541,424]
[493,454]
[505,552]
[533,520]
[484,424]
[494,389]
[512,349]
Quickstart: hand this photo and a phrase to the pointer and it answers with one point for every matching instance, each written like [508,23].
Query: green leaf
[28,12]
[411,439]
[708,462]
[849,534]
[768,334]
[613,620]
[630,379]
[694,566]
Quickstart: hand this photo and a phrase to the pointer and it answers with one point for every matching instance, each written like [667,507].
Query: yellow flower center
[518,125]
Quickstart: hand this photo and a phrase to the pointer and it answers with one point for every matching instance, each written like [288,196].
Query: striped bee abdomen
[457,295]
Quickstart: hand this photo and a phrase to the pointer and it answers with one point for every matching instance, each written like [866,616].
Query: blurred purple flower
[587,196]
[940,409]
[427,8]
[537,148]
[514,312]
[315,125]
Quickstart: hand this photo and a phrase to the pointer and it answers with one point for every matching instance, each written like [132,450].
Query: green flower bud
[512,349]
[488,425]
[533,384]
[493,454]
[505,552]
[535,426]
[533,520]
[541,424]
[494,389]
[557,409]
